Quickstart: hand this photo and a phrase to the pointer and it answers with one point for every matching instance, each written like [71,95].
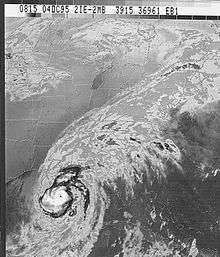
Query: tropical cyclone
[138,177]
[59,198]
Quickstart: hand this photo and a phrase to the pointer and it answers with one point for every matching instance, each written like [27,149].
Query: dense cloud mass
[140,175]
[124,182]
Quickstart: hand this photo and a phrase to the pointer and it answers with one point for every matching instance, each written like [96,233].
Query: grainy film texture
[112,137]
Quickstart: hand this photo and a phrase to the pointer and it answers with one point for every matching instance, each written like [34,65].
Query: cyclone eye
[55,201]
[58,199]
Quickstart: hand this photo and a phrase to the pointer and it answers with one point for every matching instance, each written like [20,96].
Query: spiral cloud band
[138,177]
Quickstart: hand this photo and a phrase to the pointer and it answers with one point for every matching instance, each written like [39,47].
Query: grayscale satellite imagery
[112,137]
